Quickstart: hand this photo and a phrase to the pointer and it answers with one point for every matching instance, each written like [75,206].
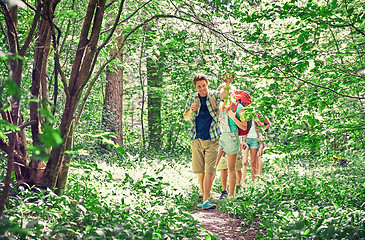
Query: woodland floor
[223,226]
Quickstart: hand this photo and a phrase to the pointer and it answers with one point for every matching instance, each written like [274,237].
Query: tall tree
[15,146]
[154,84]
[15,69]
[80,74]
[39,87]
[113,100]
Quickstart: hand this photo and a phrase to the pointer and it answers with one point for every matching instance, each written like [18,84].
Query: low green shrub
[106,202]
[319,202]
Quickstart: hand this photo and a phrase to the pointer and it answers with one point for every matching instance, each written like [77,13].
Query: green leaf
[8,126]
[12,88]
[88,228]
[336,206]
[301,39]
[350,11]
[47,114]
[38,153]
[51,137]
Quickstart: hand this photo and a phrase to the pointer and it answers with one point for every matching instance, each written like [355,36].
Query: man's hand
[194,107]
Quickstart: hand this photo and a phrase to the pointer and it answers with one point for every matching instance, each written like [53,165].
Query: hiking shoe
[208,205]
[224,194]
[200,204]
[238,188]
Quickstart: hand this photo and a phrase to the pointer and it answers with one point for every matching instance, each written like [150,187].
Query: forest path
[223,226]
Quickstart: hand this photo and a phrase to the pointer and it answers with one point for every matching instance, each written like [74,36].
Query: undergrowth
[139,197]
[144,200]
[295,201]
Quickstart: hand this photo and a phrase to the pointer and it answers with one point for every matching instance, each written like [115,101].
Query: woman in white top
[250,143]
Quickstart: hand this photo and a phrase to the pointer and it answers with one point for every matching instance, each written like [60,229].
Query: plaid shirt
[214,130]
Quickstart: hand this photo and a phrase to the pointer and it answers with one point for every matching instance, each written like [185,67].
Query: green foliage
[102,202]
[7,89]
[51,137]
[295,202]
[6,126]
[6,227]
[300,61]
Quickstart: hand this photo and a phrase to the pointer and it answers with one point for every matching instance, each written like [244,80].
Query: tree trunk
[142,98]
[113,101]
[39,78]
[6,189]
[63,175]
[154,82]
[80,74]
[20,155]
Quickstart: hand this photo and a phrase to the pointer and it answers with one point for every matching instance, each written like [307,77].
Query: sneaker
[224,194]
[238,188]
[200,204]
[208,205]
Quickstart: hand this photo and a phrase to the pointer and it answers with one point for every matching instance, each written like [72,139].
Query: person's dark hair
[199,77]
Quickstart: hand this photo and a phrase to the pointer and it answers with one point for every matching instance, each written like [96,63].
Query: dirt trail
[223,226]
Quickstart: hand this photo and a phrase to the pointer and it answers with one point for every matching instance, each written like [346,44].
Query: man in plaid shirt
[202,109]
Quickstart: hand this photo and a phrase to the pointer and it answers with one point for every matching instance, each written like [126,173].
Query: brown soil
[223,226]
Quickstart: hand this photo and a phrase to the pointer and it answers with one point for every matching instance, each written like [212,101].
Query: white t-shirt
[252,133]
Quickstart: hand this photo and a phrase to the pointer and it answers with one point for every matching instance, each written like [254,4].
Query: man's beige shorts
[205,154]
[223,163]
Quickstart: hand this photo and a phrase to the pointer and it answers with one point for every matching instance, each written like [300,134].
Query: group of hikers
[221,136]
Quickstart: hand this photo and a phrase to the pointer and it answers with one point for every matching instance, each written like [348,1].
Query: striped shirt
[214,130]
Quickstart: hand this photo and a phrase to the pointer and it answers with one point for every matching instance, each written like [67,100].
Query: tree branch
[24,125]
[29,38]
[327,88]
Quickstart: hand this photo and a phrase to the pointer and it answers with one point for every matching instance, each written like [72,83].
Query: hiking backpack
[244,99]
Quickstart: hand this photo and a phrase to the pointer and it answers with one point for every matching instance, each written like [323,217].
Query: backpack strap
[234,108]
[214,103]
[196,97]
[256,126]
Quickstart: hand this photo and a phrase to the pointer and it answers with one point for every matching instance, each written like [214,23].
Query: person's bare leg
[208,180]
[253,153]
[201,182]
[231,159]
[220,154]
[259,160]
[244,164]
[224,176]
[238,177]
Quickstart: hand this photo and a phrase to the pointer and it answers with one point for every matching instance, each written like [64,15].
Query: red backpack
[244,99]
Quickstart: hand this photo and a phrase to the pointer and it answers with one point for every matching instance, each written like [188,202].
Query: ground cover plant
[149,198]
[294,201]
[107,201]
